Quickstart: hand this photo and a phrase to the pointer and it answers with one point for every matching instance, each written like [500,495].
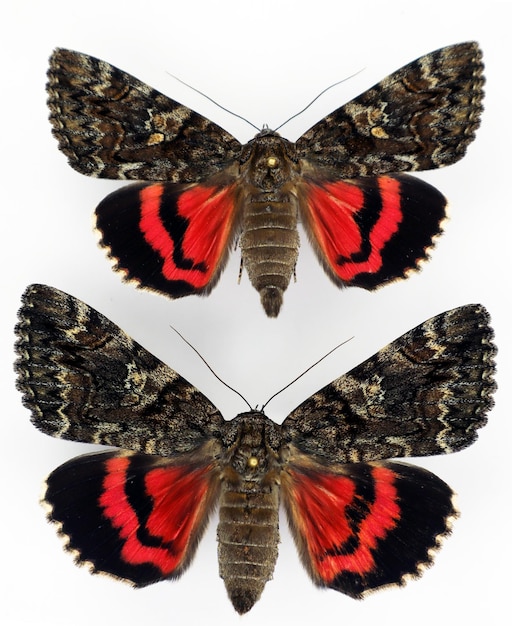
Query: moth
[360,520]
[369,223]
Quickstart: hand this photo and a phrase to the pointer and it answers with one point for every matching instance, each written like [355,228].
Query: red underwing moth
[360,520]
[368,222]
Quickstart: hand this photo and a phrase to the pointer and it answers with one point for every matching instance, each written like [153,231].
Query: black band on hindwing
[358,510]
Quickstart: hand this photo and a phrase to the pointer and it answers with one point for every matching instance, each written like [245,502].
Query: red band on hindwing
[387,224]
[351,241]
[372,230]
[177,494]
[194,255]
[342,528]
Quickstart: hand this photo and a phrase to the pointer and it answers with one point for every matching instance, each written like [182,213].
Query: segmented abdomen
[270,246]
[248,534]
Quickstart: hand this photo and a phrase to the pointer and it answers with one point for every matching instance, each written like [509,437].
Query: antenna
[306,371]
[210,368]
[277,392]
[216,104]
[241,117]
[315,99]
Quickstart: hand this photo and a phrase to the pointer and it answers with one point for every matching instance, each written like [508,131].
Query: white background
[264,60]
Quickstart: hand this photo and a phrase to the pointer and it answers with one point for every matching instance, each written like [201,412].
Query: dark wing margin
[423,116]
[425,393]
[85,380]
[111,125]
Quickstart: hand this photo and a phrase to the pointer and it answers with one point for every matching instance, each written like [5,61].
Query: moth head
[252,443]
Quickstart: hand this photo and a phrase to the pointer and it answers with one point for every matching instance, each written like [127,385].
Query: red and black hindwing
[170,238]
[134,516]
[351,526]
[369,231]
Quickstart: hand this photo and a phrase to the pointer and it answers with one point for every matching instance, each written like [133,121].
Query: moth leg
[240,270]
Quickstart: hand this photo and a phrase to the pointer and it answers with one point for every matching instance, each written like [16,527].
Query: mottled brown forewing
[111,125]
[425,393]
[86,380]
[422,116]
